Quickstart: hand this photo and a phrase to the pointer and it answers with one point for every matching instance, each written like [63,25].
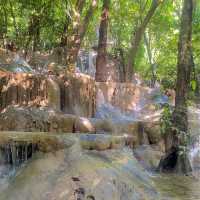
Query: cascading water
[20,61]
[16,148]
[12,156]
[194,126]
[105,109]
[87,62]
[18,65]
[15,153]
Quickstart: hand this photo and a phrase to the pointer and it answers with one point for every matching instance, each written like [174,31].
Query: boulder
[84,125]
[152,129]
[35,119]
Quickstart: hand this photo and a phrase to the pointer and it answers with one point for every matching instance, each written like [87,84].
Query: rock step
[102,142]
[48,120]
[18,147]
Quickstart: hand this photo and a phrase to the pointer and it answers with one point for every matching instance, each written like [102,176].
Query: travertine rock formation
[72,94]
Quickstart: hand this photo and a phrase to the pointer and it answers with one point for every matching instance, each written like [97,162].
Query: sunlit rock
[35,119]
[78,95]
[53,94]
[73,94]
[67,174]
[84,125]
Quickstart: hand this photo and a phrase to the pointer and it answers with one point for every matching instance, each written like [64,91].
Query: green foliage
[193,84]
[167,127]
[166,119]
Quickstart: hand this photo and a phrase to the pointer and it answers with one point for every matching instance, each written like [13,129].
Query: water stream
[178,187]
[139,111]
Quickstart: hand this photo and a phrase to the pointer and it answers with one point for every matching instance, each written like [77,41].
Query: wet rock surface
[18,147]
[75,173]
[44,119]
[80,174]
[36,119]
[148,156]
[22,89]
[103,141]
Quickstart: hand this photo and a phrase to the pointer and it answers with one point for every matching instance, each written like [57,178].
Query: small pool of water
[176,187]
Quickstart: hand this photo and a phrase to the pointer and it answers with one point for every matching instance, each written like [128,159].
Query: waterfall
[194,128]
[92,63]
[105,109]
[53,95]
[20,61]
[87,62]
[111,96]
[15,153]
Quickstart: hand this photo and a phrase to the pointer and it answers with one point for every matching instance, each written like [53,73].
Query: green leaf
[193,84]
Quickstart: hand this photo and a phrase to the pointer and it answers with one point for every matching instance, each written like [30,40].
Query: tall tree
[137,37]
[33,32]
[73,16]
[101,62]
[79,31]
[176,157]
[152,62]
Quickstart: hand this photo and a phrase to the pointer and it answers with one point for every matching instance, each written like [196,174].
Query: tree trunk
[179,131]
[197,90]
[122,65]
[5,26]
[151,60]
[63,40]
[33,33]
[136,39]
[78,35]
[101,68]
[79,6]
[195,78]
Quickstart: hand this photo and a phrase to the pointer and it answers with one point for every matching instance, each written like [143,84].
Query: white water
[18,65]
[105,110]
[194,126]
[87,63]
